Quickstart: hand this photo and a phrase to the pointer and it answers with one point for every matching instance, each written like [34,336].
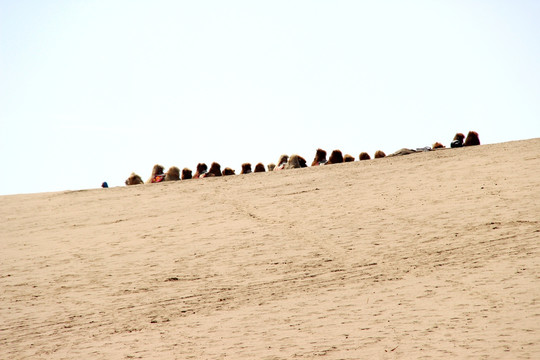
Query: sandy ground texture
[432,255]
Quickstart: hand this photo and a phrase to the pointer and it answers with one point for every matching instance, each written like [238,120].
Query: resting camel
[472,139]
[259,168]
[186,174]
[320,158]
[364,156]
[201,170]
[173,174]
[282,162]
[228,171]
[458,141]
[335,158]
[302,161]
[157,174]
[348,158]
[438,145]
[379,154]
[271,166]
[134,179]
[246,168]
[293,162]
[215,170]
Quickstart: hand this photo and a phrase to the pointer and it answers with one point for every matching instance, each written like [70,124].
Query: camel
[157,175]
[173,174]
[379,154]
[228,171]
[336,157]
[438,145]
[364,156]
[201,170]
[246,168]
[282,162]
[320,158]
[215,170]
[457,142]
[134,179]
[259,168]
[293,162]
[472,139]
[186,174]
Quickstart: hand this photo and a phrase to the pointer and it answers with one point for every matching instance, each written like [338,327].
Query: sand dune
[426,256]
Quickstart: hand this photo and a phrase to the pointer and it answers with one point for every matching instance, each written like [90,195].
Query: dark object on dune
[173,174]
[186,174]
[134,179]
[320,158]
[157,174]
[379,154]
[215,170]
[104,185]
[302,161]
[228,171]
[336,157]
[364,156]
[458,141]
[259,168]
[283,159]
[472,139]
[246,168]
[348,158]
[201,170]
[293,162]
[438,145]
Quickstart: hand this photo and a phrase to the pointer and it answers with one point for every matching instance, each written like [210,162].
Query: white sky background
[91,91]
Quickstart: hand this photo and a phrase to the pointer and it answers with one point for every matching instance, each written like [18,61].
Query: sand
[432,255]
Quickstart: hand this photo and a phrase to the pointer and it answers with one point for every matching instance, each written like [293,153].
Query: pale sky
[91,91]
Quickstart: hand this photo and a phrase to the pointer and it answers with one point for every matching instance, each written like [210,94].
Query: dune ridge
[426,256]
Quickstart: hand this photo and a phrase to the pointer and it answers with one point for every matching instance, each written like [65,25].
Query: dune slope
[425,256]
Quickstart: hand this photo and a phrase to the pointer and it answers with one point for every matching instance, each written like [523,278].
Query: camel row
[287,162]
